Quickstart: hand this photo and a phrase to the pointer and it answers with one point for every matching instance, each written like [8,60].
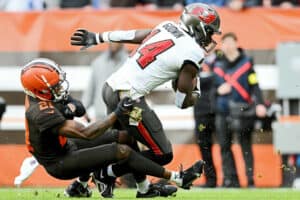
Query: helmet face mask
[43,79]
[60,91]
[201,22]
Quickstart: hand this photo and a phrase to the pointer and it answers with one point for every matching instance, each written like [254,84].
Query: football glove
[124,107]
[82,37]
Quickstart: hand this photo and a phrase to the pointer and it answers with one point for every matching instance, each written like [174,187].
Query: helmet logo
[204,15]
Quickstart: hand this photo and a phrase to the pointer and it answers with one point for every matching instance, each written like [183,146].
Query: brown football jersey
[42,122]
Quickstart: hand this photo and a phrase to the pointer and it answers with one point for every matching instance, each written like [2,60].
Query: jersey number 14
[149,52]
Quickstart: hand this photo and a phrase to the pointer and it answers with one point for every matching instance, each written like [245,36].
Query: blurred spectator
[280,3]
[174,4]
[239,100]
[24,5]
[102,67]
[52,4]
[100,4]
[204,114]
[238,5]
[218,3]
[2,108]
[74,4]
[148,4]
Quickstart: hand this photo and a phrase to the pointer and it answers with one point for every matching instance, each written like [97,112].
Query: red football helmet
[44,79]
[201,22]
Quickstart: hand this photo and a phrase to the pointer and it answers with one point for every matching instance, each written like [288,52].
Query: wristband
[98,38]
[179,98]
[105,37]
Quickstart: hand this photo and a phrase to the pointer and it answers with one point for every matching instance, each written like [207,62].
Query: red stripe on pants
[148,139]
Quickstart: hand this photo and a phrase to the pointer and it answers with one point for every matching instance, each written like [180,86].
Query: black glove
[124,107]
[68,113]
[79,108]
[84,38]
[71,108]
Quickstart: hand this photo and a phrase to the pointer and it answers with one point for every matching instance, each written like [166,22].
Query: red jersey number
[149,52]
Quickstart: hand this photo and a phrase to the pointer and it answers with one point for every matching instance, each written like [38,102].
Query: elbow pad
[179,98]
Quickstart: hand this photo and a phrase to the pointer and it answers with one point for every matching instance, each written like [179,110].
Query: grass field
[193,194]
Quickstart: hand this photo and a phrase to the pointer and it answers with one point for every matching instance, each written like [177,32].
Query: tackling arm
[74,129]
[71,128]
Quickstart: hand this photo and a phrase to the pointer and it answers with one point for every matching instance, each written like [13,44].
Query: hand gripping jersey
[157,60]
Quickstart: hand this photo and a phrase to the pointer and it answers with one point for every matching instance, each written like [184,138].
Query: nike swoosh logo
[127,105]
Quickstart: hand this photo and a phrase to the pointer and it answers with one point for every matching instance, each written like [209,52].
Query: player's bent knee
[125,138]
[123,151]
[165,158]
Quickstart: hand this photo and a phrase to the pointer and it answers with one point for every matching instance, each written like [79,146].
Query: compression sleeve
[117,36]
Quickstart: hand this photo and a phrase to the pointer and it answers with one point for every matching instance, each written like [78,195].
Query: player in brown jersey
[48,132]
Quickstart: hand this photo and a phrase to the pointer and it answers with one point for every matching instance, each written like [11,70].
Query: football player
[70,108]
[66,148]
[169,51]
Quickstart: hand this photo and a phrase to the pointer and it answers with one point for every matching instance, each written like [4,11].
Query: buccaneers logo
[205,15]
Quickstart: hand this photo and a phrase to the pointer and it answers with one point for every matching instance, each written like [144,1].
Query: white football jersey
[157,60]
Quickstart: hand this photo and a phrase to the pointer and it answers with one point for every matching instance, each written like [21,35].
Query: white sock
[143,186]
[175,177]
[110,171]
[83,183]
[27,168]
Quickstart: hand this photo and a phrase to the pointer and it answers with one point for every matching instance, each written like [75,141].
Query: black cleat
[76,189]
[190,174]
[104,183]
[165,190]
[152,192]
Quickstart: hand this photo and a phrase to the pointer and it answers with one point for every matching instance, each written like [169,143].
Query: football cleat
[152,192]
[165,190]
[190,174]
[104,183]
[76,189]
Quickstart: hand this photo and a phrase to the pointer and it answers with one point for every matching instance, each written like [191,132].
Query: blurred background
[268,31]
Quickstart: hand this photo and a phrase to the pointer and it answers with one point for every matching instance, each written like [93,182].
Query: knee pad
[123,151]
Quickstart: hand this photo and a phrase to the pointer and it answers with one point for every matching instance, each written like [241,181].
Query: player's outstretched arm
[86,39]
[74,129]
[185,97]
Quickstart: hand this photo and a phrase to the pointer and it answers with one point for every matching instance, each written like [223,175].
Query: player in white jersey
[170,51]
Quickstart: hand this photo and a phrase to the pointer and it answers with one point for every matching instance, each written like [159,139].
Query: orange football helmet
[44,79]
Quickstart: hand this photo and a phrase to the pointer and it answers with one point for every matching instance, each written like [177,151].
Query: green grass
[199,194]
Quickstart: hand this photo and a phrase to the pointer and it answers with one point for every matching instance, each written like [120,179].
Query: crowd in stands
[27,5]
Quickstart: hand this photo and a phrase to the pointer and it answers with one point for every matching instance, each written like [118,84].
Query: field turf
[196,193]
